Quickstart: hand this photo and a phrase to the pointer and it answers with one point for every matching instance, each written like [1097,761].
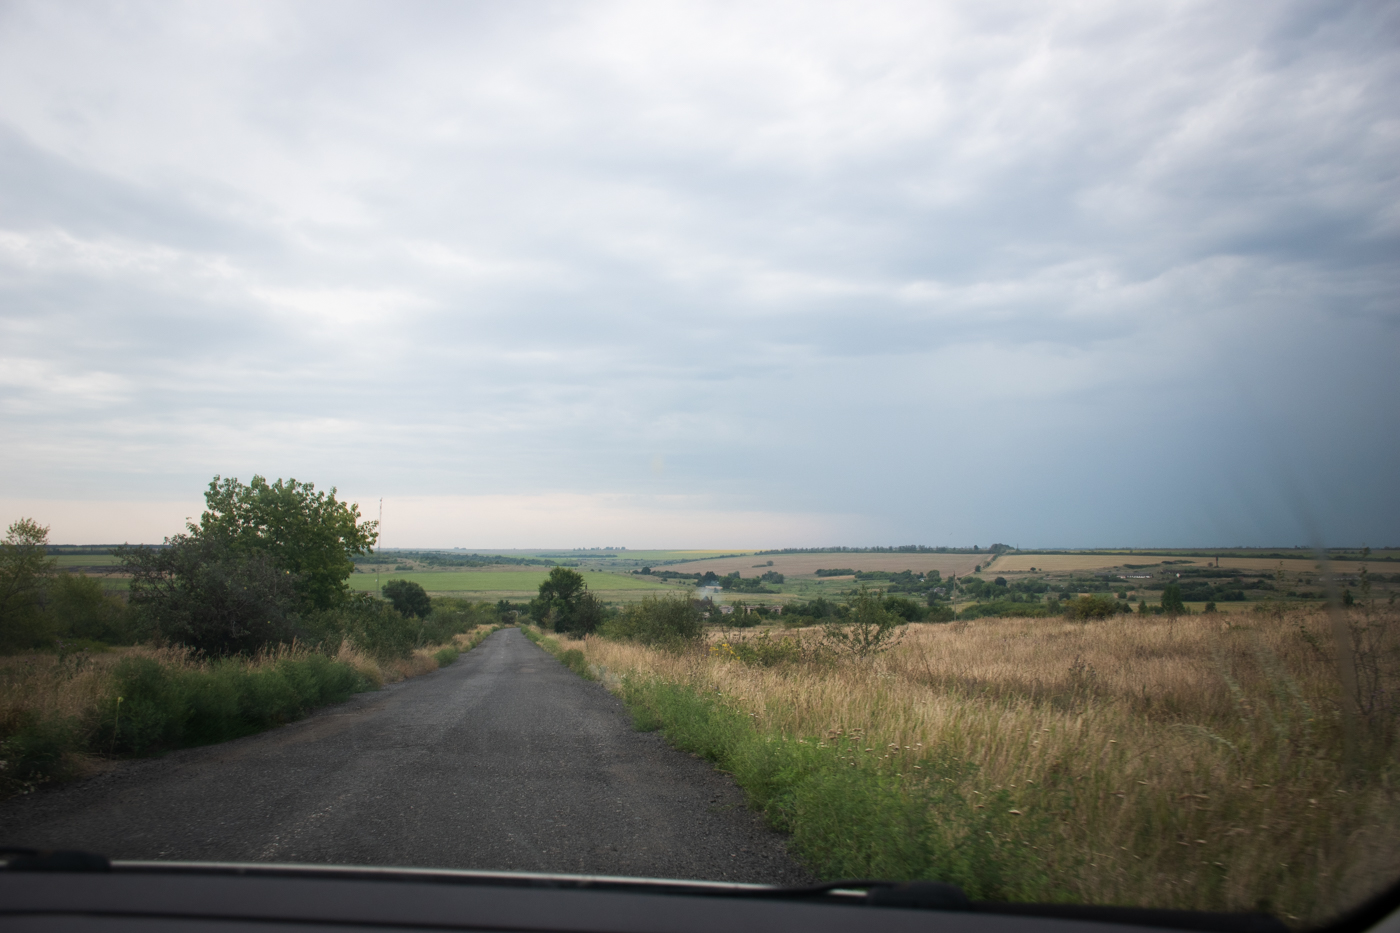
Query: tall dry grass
[1196,762]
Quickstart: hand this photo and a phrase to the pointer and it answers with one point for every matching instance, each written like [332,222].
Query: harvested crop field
[1060,563]
[798,565]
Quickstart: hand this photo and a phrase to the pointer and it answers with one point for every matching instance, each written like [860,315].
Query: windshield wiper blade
[937,895]
[25,859]
[909,895]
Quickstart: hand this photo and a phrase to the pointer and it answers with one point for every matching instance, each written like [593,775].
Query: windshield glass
[491,437]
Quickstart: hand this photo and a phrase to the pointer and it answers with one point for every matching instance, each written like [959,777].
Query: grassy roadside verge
[60,715]
[1195,763]
[850,814]
[572,658]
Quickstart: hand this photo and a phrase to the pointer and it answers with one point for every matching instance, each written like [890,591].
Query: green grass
[491,581]
[66,561]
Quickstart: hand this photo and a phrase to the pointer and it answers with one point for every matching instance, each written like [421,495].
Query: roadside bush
[408,598]
[446,656]
[80,611]
[451,617]
[672,622]
[200,593]
[369,624]
[157,706]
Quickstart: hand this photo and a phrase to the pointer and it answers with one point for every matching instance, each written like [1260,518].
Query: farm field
[513,583]
[69,561]
[641,556]
[1052,563]
[798,565]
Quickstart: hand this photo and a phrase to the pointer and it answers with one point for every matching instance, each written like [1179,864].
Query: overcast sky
[713,275]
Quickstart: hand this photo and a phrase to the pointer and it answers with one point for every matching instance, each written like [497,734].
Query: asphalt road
[504,760]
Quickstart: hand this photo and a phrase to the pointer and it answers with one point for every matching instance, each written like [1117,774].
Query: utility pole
[378,525]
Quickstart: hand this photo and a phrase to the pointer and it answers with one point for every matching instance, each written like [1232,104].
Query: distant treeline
[732,582]
[896,549]
[449,559]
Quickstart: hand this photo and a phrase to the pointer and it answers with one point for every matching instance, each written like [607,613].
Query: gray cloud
[1060,275]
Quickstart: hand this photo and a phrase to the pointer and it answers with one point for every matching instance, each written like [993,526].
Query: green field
[66,561]
[506,582]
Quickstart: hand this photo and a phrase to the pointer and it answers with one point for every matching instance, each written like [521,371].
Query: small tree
[565,604]
[868,629]
[1171,600]
[25,570]
[409,598]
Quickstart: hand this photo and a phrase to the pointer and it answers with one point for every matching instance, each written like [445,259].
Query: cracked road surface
[504,760]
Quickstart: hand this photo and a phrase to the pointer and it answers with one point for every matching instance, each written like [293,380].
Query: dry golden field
[1196,763]
[798,565]
[1022,563]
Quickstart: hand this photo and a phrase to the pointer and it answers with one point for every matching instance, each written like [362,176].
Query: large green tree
[308,534]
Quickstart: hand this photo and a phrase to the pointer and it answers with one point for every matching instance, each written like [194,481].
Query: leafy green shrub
[672,622]
[1091,607]
[370,624]
[80,611]
[451,617]
[446,656]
